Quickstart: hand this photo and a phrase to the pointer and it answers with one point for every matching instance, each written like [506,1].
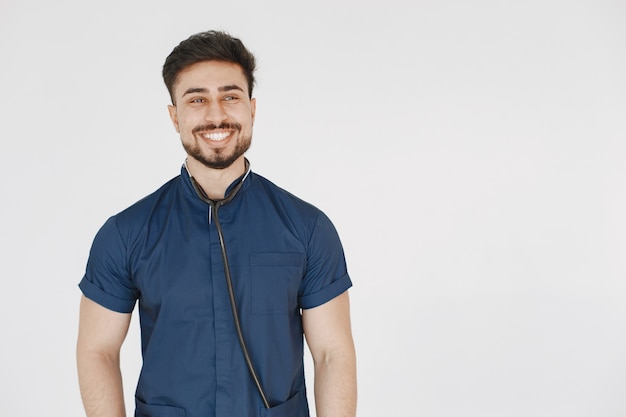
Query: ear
[253,107]
[174,116]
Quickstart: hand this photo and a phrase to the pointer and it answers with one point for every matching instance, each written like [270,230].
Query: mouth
[216,136]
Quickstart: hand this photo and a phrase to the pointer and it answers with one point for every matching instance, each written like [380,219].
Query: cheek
[246,118]
[187,122]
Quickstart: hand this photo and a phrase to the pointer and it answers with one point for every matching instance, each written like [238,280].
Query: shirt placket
[223,325]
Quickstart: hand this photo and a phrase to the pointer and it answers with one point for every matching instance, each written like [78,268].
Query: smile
[216,136]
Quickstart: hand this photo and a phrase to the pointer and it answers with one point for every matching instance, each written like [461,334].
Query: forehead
[210,75]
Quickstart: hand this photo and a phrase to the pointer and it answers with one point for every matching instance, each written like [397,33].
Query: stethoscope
[215,205]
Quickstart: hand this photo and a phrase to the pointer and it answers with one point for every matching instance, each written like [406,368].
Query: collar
[231,191]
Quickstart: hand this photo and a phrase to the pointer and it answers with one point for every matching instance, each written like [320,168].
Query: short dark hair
[208,46]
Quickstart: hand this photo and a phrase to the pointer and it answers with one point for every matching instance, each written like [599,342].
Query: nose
[215,112]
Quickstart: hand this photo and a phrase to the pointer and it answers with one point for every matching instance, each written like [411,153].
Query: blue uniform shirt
[164,251]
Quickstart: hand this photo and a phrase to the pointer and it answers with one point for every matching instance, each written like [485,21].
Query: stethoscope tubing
[214,206]
[233,305]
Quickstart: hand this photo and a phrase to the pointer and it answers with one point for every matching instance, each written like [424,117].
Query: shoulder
[303,217]
[280,196]
[133,218]
[152,199]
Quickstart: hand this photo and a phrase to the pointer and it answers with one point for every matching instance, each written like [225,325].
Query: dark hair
[208,46]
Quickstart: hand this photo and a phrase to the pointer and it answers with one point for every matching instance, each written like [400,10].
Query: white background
[470,153]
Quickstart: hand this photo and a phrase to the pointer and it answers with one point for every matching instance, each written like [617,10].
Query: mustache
[213,126]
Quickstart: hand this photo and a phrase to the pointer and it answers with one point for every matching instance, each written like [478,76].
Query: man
[230,272]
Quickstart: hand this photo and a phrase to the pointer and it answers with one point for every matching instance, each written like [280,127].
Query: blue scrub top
[284,255]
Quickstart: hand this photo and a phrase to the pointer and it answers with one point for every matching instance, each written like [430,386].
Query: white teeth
[216,136]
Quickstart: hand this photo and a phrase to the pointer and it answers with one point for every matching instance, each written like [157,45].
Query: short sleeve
[107,279]
[326,274]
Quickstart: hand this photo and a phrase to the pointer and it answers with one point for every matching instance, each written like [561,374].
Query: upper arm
[327,328]
[101,330]
[108,279]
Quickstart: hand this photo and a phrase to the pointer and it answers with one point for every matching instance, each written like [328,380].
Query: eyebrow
[230,87]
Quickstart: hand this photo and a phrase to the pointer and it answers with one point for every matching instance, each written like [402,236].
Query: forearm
[100,382]
[335,386]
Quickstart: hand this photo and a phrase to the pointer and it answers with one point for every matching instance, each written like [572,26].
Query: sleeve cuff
[111,302]
[327,294]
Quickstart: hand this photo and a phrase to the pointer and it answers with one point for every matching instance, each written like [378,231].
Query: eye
[198,100]
[230,98]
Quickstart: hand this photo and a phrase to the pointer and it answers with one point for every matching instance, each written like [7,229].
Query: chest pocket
[276,278]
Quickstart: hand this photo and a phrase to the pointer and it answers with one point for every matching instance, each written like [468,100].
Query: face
[213,113]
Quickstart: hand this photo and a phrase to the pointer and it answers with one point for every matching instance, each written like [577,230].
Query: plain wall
[470,153]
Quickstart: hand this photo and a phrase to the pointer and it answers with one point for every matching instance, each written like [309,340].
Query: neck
[214,182]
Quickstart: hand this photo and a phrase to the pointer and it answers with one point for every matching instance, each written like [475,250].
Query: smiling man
[231,273]
[213,113]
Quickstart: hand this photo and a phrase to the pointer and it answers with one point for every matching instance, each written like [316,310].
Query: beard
[220,158]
